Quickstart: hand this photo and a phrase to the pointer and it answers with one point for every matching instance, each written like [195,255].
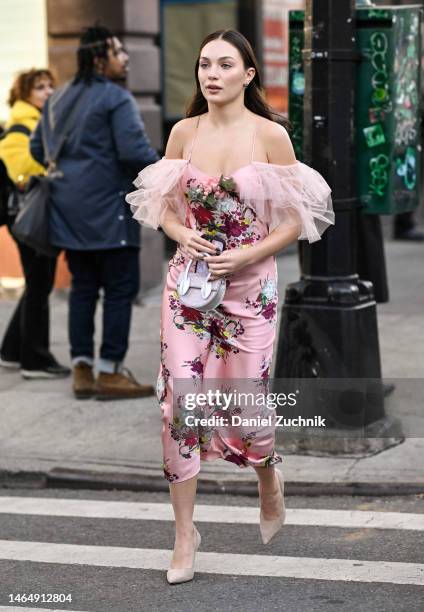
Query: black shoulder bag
[9,194]
[31,226]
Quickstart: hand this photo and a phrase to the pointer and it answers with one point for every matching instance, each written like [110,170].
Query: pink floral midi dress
[234,341]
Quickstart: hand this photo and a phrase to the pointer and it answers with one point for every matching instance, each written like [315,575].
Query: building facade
[162,38]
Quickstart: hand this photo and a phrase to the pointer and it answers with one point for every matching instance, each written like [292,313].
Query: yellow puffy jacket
[14,147]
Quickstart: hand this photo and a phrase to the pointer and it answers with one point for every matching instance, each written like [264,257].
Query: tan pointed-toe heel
[269,528]
[174,576]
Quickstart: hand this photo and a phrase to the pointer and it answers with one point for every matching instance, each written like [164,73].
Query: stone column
[137,25]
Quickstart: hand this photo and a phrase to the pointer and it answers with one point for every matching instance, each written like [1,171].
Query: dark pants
[117,272]
[27,337]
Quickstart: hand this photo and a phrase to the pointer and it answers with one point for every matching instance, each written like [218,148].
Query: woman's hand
[228,262]
[195,245]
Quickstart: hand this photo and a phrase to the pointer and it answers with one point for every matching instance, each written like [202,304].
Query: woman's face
[43,88]
[221,72]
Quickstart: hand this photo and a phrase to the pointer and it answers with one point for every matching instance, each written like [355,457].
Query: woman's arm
[20,164]
[170,222]
[279,151]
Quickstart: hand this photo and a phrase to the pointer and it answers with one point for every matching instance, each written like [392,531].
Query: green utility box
[387,104]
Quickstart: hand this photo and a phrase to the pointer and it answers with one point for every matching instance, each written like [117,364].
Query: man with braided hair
[106,147]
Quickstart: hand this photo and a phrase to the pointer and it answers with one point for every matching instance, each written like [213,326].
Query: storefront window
[184,26]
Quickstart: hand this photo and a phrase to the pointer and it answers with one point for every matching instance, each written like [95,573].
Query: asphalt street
[109,550]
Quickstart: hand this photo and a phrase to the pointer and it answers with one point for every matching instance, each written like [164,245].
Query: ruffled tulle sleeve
[158,186]
[293,195]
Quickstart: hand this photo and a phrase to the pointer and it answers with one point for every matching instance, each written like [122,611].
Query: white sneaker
[9,365]
[53,371]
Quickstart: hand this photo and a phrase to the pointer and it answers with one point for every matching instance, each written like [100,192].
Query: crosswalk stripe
[351,519]
[351,570]
[20,609]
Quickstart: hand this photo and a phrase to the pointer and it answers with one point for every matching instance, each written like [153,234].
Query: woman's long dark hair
[253,97]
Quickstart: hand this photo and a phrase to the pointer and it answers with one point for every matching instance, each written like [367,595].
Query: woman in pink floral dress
[229,173]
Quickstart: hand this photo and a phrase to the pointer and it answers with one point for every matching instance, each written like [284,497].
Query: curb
[59,478]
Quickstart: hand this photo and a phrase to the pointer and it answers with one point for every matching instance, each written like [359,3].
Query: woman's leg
[244,370]
[11,344]
[34,309]
[183,496]
[184,346]
[269,492]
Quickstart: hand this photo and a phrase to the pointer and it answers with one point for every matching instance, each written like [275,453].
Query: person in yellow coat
[25,344]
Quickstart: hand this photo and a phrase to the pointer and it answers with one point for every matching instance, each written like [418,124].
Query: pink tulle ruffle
[291,195]
[159,186]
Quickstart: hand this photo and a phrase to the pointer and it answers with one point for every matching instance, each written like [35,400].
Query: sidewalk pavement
[47,438]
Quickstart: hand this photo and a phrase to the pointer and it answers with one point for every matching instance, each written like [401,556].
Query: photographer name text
[271,420]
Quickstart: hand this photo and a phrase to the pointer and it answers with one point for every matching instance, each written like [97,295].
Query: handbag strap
[206,287]
[185,283]
[18,128]
[69,124]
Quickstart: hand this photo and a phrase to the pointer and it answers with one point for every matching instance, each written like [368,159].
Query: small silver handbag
[196,290]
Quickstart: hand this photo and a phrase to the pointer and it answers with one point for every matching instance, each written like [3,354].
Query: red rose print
[197,366]
[191,314]
[203,215]
[269,311]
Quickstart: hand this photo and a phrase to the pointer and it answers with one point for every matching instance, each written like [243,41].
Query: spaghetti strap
[253,143]
[194,138]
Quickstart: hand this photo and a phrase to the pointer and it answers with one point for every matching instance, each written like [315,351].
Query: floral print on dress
[196,367]
[265,367]
[175,261]
[242,458]
[207,432]
[262,383]
[224,343]
[167,472]
[185,435]
[163,376]
[265,303]
[216,326]
[217,209]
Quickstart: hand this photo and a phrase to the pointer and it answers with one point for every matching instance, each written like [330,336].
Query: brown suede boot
[84,385]
[120,385]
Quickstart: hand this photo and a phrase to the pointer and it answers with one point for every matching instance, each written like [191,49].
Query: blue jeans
[117,272]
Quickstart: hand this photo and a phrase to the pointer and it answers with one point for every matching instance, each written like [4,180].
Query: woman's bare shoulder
[185,128]
[276,142]
[182,132]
